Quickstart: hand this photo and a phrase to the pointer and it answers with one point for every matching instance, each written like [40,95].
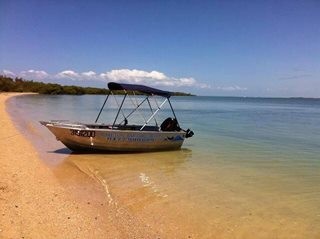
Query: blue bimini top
[141,88]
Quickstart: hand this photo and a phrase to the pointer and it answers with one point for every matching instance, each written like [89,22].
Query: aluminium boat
[120,136]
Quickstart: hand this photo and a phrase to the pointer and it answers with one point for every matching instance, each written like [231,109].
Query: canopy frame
[148,91]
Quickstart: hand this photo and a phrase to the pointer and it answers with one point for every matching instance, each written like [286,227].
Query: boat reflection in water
[132,177]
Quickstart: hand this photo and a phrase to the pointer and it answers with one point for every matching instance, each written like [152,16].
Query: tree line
[8,84]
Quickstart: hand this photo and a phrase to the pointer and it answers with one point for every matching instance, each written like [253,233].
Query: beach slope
[34,203]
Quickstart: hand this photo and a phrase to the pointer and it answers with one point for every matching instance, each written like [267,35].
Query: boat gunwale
[111,129]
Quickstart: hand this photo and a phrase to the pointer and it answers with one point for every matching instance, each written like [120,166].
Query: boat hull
[92,139]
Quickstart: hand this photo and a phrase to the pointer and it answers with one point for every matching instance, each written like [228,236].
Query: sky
[221,48]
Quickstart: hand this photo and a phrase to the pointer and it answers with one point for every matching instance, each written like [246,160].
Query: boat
[120,136]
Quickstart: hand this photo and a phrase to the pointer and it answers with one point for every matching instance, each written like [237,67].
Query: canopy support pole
[154,114]
[120,108]
[102,107]
[173,111]
[137,106]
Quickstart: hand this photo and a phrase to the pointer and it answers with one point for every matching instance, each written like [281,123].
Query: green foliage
[8,84]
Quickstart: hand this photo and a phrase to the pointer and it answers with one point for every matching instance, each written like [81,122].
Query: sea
[251,170]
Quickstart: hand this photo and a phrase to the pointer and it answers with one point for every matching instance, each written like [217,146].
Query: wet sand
[39,202]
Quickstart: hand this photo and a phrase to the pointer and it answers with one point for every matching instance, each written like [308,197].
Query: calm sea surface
[252,169]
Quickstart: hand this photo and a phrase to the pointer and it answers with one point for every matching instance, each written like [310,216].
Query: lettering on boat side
[141,138]
[132,137]
[83,133]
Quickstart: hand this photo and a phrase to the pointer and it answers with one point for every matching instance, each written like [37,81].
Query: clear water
[252,169]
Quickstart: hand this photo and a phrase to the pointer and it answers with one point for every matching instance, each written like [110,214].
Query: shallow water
[252,170]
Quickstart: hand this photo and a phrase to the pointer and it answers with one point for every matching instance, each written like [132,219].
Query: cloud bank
[7,73]
[134,76]
[33,74]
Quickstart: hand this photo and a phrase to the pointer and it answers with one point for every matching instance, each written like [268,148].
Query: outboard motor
[189,133]
[170,124]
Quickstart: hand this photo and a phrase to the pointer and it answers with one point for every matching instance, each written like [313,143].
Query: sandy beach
[34,203]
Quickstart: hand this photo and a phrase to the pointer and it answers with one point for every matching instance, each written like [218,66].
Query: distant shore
[8,84]
[34,203]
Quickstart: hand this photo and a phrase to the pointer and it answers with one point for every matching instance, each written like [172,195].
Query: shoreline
[36,203]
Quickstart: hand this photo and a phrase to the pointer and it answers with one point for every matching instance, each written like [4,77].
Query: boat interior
[123,127]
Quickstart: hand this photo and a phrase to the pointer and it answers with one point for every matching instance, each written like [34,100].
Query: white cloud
[7,73]
[153,78]
[68,74]
[73,75]
[34,75]
[89,74]
[150,78]
[133,76]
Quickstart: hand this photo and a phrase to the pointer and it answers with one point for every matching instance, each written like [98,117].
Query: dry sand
[34,203]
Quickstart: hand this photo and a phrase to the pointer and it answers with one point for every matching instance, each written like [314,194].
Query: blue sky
[240,48]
